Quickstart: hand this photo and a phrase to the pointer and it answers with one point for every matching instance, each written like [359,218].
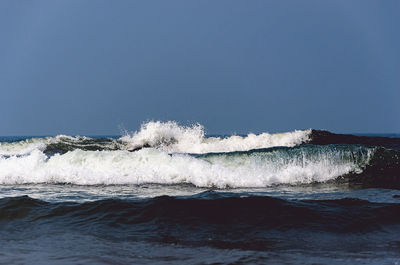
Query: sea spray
[172,138]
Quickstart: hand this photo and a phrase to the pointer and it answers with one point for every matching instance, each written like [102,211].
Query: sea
[172,194]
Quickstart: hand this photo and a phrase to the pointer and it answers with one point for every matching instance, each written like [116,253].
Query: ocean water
[169,194]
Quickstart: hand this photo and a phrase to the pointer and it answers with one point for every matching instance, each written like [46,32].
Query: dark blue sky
[90,67]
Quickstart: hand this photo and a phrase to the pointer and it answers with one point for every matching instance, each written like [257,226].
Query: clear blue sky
[89,67]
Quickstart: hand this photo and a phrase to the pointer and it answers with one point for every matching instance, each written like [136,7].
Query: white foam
[168,136]
[173,138]
[156,166]
[29,145]
[22,147]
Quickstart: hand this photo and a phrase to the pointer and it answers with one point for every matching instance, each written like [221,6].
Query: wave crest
[173,138]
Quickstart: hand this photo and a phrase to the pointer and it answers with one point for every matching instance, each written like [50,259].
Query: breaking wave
[171,137]
[166,153]
[167,136]
[256,168]
[58,144]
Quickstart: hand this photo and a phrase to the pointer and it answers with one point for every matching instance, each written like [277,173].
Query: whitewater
[172,138]
[167,153]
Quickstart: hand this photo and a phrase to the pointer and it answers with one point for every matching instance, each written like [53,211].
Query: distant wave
[166,136]
[58,144]
[171,137]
